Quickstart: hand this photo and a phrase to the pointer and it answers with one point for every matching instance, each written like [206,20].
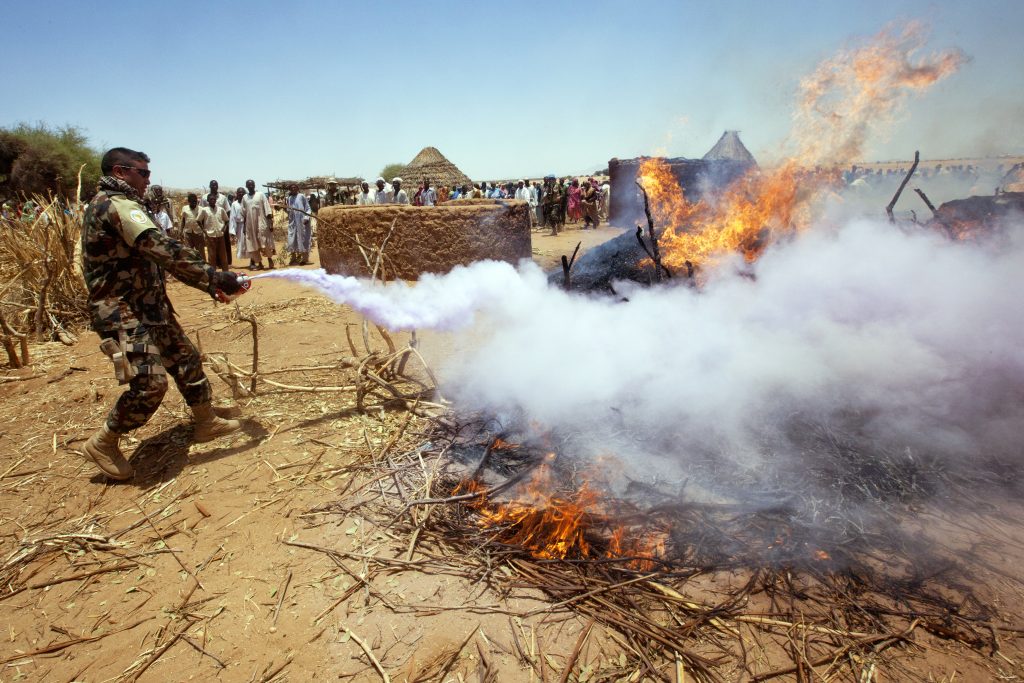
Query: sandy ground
[189,571]
[218,512]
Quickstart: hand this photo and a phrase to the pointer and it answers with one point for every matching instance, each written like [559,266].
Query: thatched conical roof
[730,148]
[430,163]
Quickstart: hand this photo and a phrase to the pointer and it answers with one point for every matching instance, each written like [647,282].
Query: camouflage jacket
[552,196]
[124,255]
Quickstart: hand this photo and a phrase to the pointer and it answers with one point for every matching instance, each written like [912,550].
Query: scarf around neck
[109,182]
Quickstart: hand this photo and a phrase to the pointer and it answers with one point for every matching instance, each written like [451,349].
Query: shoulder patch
[134,220]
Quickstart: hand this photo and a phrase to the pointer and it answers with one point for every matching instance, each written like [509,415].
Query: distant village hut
[334,189]
[431,164]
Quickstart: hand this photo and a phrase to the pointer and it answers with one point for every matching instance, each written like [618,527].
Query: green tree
[42,160]
[390,171]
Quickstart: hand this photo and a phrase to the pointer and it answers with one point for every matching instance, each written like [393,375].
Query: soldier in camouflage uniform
[552,204]
[124,256]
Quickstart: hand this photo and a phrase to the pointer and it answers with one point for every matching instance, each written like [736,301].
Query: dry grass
[42,292]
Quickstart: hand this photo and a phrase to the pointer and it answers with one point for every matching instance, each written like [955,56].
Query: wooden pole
[896,197]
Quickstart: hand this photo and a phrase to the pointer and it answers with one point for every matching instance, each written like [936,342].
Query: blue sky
[266,90]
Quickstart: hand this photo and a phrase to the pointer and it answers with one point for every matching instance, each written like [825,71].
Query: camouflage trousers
[553,215]
[179,358]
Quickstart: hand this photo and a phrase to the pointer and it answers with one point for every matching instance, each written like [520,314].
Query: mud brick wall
[426,239]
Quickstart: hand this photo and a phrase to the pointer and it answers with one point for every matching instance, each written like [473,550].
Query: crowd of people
[218,224]
[220,227]
[554,202]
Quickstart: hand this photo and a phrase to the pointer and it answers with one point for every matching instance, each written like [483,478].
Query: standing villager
[237,220]
[430,196]
[299,230]
[157,201]
[563,190]
[604,203]
[538,211]
[314,202]
[124,256]
[588,206]
[552,202]
[160,215]
[398,195]
[259,227]
[213,219]
[365,197]
[523,194]
[383,193]
[224,202]
[572,205]
[189,229]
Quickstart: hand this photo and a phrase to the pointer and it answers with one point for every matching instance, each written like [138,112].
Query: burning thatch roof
[430,163]
[730,148]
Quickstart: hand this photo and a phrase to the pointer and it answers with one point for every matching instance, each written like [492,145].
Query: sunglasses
[144,172]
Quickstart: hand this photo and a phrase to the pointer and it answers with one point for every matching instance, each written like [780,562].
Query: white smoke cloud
[915,341]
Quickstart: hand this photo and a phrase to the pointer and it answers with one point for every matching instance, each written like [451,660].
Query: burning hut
[624,258]
[723,163]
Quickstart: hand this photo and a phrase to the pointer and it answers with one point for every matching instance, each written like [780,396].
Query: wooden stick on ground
[167,545]
[280,598]
[576,651]
[57,647]
[159,652]
[369,654]
[255,347]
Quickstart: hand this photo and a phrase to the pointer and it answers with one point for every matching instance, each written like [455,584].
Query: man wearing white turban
[383,194]
[398,195]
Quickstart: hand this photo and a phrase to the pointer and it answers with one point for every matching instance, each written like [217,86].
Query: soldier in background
[552,202]
[124,257]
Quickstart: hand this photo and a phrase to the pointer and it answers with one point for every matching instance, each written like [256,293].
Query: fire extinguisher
[244,284]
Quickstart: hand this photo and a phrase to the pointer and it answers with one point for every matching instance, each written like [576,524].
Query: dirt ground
[205,565]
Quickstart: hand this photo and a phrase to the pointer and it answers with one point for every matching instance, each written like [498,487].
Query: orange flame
[559,525]
[546,524]
[752,212]
[840,103]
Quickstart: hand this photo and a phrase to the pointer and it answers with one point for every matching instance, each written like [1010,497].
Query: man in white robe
[237,221]
[523,194]
[398,195]
[365,197]
[259,226]
[383,194]
[299,229]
